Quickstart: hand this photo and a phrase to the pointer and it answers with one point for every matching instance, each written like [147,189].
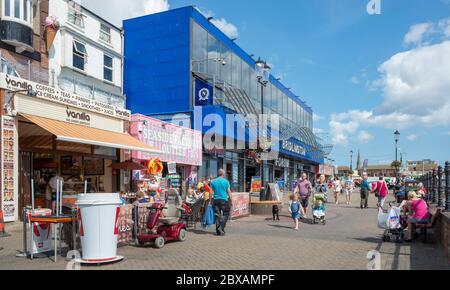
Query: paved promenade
[256,243]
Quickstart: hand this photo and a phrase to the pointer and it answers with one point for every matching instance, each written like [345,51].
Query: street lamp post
[397,138]
[262,76]
[351,162]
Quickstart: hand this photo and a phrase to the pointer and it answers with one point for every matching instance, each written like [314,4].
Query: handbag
[208,217]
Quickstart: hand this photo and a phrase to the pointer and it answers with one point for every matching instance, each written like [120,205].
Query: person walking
[322,187]
[365,189]
[381,190]
[221,194]
[304,190]
[336,189]
[296,210]
[348,189]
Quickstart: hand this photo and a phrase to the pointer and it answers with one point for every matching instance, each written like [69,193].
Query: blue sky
[338,58]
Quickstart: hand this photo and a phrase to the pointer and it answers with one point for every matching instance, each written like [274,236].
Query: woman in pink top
[418,213]
[383,191]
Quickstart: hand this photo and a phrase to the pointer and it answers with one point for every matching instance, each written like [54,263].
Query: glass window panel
[236,71]
[107,68]
[286,104]
[7,7]
[253,85]
[79,55]
[17,8]
[225,70]
[105,33]
[280,100]
[199,54]
[108,61]
[246,74]
[25,10]
[214,51]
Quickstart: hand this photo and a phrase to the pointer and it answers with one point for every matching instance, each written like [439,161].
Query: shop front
[50,133]
[180,151]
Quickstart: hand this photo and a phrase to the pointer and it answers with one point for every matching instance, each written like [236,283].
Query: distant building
[419,168]
[86,55]
[22,41]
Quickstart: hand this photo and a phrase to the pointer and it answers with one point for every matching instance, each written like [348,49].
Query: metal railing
[437,183]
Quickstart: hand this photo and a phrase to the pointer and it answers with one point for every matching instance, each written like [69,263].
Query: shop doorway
[249,173]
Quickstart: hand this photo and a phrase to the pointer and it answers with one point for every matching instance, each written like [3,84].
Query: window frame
[107,33]
[76,14]
[79,53]
[25,9]
[108,68]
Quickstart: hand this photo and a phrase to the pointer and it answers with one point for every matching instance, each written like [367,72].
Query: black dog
[276,212]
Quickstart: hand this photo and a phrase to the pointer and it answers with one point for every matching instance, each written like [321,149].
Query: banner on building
[204,93]
[9,179]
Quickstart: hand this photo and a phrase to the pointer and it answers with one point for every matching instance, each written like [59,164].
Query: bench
[263,207]
[424,227]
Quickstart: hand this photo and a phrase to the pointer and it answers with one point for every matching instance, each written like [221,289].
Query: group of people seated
[415,210]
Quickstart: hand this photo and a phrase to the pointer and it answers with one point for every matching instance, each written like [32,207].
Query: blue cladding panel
[157,62]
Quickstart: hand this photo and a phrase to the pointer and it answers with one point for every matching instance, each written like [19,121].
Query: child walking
[296,210]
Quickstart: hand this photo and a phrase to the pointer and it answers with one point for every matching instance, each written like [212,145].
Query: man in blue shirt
[221,194]
[365,190]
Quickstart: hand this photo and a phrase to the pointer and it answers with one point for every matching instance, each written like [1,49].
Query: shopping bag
[208,218]
[383,219]
[394,218]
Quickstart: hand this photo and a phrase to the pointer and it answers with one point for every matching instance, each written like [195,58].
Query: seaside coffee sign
[294,148]
[58,96]
[76,117]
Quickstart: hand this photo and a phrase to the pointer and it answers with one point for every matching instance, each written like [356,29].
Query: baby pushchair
[391,223]
[318,209]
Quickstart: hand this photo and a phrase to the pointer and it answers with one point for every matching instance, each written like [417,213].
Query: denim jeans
[222,213]
[381,201]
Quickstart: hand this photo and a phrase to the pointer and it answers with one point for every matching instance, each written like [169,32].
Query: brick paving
[256,243]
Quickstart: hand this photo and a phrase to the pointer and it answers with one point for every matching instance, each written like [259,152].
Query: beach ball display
[155,166]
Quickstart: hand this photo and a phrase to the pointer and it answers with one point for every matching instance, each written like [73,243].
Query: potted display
[51,28]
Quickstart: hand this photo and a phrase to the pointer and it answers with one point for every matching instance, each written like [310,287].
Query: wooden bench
[424,227]
[267,202]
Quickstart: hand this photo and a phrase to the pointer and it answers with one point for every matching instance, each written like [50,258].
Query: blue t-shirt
[220,186]
[365,185]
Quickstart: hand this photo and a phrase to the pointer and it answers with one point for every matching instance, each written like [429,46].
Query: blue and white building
[178,61]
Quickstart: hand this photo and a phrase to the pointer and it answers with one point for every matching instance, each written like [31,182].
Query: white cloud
[416,33]
[228,28]
[341,130]
[415,85]
[317,117]
[318,131]
[118,10]
[355,80]
[412,137]
[364,137]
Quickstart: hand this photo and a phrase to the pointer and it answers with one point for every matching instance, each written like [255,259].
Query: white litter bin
[42,238]
[98,214]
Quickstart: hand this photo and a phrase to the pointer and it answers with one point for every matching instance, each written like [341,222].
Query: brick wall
[442,232]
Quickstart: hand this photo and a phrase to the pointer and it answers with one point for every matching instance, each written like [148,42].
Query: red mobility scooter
[164,229]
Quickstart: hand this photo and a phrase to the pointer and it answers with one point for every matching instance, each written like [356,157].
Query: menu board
[8,168]
[256,184]
[241,205]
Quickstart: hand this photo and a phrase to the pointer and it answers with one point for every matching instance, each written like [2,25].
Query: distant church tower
[358,163]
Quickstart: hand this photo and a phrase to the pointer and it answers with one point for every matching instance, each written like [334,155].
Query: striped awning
[86,135]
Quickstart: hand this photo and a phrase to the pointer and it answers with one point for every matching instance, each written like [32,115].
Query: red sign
[241,205]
